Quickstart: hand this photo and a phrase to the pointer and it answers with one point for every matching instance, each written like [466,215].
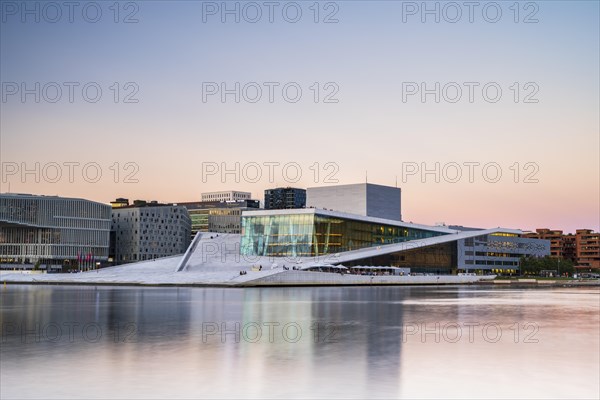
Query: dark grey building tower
[282,198]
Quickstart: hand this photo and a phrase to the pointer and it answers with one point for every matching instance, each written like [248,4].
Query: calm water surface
[358,342]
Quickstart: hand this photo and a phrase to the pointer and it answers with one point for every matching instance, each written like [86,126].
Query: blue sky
[368,54]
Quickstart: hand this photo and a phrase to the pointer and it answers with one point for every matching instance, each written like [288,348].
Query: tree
[535,265]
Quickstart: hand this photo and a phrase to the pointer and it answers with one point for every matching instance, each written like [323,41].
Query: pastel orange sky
[370,54]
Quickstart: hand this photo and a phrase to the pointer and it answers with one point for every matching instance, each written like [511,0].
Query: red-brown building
[561,245]
[588,248]
[583,248]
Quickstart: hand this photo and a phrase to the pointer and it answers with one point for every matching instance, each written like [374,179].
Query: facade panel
[384,202]
[362,199]
[498,252]
[346,198]
[50,232]
[149,232]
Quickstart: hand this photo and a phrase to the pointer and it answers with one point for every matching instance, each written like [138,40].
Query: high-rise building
[148,230]
[361,199]
[52,233]
[229,195]
[284,198]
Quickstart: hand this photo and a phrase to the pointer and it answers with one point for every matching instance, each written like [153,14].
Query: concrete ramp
[190,250]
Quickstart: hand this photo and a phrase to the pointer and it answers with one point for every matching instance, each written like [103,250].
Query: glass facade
[218,216]
[438,259]
[312,234]
[199,220]
[225,220]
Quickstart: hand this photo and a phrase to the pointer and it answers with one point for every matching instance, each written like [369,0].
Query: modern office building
[359,240]
[229,195]
[149,230]
[498,251]
[218,216]
[52,233]
[284,198]
[199,216]
[365,199]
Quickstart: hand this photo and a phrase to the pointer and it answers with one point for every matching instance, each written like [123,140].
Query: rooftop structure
[365,199]
[228,195]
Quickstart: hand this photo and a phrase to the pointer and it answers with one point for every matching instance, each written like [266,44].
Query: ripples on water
[358,342]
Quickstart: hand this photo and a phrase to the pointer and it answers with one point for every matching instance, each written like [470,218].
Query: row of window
[127,219]
[143,257]
[487,262]
[59,212]
[151,248]
[160,230]
[494,254]
[51,251]
[163,211]
[46,236]
[224,196]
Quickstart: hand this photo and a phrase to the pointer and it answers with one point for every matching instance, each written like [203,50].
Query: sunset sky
[172,55]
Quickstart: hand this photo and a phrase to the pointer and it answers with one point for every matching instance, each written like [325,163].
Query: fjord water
[357,342]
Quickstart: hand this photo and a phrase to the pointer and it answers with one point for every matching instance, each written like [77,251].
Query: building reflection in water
[292,342]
